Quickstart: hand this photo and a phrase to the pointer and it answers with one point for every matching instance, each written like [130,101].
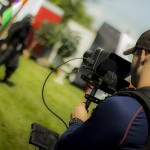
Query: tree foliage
[49,34]
[74,9]
[70,41]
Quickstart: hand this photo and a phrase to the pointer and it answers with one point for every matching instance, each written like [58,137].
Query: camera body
[105,70]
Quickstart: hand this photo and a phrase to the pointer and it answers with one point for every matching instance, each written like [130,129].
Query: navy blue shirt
[119,122]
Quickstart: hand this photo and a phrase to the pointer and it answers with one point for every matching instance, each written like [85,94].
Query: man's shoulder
[118,108]
[15,27]
[119,102]
[120,99]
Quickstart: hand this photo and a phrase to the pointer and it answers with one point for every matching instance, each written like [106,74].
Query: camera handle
[90,98]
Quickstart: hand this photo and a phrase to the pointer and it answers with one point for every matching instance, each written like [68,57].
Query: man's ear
[143,56]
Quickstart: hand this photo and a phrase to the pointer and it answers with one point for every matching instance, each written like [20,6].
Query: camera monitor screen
[115,64]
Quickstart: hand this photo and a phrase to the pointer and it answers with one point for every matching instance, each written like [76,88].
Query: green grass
[22,105]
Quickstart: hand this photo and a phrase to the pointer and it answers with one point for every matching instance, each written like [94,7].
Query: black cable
[44,87]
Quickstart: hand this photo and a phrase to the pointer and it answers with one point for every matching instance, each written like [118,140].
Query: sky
[131,16]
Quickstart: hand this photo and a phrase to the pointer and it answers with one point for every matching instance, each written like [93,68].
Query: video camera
[105,71]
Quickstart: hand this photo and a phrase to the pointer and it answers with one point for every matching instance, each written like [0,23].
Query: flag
[10,12]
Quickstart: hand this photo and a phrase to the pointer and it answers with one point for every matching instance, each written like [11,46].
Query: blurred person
[119,122]
[14,45]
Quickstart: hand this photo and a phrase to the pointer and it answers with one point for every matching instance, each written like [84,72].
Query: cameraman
[119,122]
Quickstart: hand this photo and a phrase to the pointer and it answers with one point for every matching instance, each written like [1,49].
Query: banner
[4,4]
[8,9]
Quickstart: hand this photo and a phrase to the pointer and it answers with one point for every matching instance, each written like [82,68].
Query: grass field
[22,104]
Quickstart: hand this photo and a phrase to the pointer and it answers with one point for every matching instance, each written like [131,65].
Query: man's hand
[80,112]
[4,46]
[26,54]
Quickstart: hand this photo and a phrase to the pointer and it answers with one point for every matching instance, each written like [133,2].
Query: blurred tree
[75,9]
[50,34]
[69,42]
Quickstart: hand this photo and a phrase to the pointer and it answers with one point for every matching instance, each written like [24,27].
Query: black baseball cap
[142,43]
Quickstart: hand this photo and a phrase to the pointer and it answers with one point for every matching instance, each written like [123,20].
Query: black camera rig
[105,71]
[102,70]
